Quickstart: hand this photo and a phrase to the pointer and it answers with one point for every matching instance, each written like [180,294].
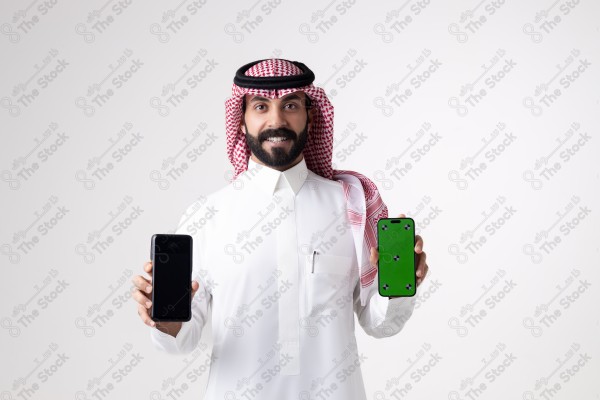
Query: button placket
[287,262]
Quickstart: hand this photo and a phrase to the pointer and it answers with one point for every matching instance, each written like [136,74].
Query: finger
[142,283]
[421,266]
[148,269]
[418,244]
[141,298]
[401,216]
[424,271]
[143,313]
[421,279]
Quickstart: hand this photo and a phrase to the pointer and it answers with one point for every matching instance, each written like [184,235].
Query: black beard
[279,157]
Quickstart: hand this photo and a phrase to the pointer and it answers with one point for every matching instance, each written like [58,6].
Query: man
[282,265]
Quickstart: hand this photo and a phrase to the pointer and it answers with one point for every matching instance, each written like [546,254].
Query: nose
[276,118]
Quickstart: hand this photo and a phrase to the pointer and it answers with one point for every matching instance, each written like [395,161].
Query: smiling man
[283,125]
[289,258]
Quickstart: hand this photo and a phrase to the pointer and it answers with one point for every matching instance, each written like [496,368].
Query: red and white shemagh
[360,192]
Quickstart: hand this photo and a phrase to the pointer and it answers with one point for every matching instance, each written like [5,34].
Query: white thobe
[275,258]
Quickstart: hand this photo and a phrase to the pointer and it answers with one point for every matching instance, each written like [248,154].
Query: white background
[505,190]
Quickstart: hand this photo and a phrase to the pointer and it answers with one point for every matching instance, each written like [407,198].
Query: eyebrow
[291,96]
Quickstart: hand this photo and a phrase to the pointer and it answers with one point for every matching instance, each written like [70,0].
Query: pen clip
[312,260]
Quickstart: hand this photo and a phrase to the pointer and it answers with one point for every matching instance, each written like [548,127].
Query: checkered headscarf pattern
[360,192]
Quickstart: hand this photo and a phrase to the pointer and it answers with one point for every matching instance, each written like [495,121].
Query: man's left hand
[422,267]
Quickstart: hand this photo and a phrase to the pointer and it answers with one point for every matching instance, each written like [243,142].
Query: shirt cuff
[168,343]
[394,313]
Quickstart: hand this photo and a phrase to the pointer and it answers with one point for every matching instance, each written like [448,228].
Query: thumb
[374,257]
[195,287]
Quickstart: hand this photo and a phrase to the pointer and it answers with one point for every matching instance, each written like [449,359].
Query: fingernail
[152,323]
[148,288]
[148,304]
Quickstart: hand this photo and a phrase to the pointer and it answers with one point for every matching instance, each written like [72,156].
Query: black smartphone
[171,257]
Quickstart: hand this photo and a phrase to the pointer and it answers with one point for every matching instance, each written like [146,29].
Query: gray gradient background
[34,336]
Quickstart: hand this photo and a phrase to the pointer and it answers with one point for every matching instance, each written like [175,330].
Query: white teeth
[276,139]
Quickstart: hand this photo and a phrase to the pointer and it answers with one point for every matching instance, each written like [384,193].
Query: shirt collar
[267,179]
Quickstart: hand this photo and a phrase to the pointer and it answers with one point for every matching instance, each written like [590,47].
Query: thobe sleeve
[191,331]
[381,316]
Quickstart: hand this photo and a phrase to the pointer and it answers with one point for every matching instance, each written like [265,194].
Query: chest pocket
[328,279]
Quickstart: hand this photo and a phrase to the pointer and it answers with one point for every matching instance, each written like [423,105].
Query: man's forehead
[298,94]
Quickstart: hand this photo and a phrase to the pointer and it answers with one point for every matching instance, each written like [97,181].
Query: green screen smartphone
[396,247]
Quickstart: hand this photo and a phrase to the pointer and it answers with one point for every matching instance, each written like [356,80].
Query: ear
[311,115]
[242,126]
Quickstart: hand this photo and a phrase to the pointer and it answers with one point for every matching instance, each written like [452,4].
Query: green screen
[396,244]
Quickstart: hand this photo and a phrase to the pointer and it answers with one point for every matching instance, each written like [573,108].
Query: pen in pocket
[313,261]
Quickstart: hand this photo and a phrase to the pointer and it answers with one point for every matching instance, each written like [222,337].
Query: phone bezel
[153,316]
[414,257]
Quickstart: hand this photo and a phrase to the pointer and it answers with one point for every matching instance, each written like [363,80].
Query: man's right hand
[141,293]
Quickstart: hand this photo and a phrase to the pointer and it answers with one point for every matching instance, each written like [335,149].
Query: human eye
[260,107]
[292,106]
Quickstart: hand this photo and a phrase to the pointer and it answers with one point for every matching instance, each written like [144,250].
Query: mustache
[283,132]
